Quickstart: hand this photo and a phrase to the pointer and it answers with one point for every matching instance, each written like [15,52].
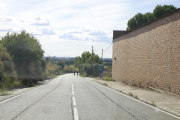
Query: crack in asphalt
[128,111]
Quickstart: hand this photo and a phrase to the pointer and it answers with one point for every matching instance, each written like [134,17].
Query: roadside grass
[136,97]
[153,103]
[91,76]
[105,84]
[130,94]
[4,92]
[107,78]
[9,84]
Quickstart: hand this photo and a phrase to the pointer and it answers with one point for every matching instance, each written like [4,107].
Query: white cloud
[85,33]
[5,18]
[6,29]
[40,22]
[46,30]
[3,8]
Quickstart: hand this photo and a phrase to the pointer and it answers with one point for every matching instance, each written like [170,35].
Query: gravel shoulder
[19,91]
[164,100]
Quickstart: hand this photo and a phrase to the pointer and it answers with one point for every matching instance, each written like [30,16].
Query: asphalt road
[69,97]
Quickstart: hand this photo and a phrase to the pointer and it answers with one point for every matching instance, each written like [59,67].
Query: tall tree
[27,54]
[161,10]
[140,18]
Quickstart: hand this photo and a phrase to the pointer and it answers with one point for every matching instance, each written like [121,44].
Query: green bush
[7,68]
[68,69]
[52,70]
[27,55]
[83,74]
[107,78]
[92,76]
[130,94]
[30,83]
[94,70]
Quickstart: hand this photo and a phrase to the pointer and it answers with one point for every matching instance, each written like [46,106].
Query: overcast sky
[66,28]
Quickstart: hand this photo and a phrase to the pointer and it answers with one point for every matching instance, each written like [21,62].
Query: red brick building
[150,54]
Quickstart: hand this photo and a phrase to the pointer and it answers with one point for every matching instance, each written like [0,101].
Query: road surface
[69,97]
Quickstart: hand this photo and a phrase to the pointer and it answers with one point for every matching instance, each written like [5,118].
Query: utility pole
[64,61]
[92,59]
[102,54]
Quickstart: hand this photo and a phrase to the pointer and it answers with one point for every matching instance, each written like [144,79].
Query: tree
[7,69]
[161,10]
[149,16]
[27,54]
[61,63]
[88,63]
[140,19]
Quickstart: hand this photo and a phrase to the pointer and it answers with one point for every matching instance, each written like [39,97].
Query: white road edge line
[75,111]
[74,101]
[18,95]
[137,100]
[22,93]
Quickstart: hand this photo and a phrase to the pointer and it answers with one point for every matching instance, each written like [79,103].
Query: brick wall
[150,55]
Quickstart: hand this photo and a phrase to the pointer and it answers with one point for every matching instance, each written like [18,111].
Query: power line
[108,47]
[97,52]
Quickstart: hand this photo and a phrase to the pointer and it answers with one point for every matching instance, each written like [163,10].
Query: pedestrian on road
[74,72]
[77,73]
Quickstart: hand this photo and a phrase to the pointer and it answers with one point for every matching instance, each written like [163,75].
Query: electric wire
[107,48]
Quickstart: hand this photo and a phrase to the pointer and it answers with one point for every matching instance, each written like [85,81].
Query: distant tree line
[140,18]
[88,64]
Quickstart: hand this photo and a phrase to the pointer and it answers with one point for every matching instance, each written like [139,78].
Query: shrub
[130,94]
[92,76]
[68,69]
[7,68]
[105,84]
[94,70]
[136,96]
[153,103]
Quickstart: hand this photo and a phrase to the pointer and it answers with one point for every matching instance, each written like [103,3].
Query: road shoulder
[163,100]
[15,92]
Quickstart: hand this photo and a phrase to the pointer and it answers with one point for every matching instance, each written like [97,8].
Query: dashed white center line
[76,117]
[74,101]
[75,111]
[73,93]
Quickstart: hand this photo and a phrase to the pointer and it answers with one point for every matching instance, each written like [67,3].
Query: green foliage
[68,69]
[7,69]
[87,57]
[27,55]
[30,83]
[140,18]
[153,103]
[130,94]
[83,74]
[88,63]
[161,10]
[91,76]
[90,70]
[61,63]
[107,78]
[51,70]
[105,84]
[136,96]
